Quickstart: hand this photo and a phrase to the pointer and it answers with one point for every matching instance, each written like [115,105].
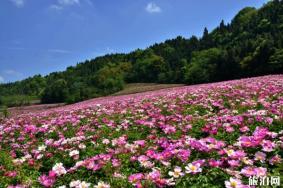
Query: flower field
[210,135]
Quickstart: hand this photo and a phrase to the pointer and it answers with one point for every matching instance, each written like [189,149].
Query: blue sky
[42,36]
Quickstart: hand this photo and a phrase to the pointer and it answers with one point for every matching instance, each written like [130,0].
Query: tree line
[250,45]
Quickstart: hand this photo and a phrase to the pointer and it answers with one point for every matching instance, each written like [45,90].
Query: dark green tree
[56,92]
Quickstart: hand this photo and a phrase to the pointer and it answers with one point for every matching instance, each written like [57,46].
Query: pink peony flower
[260,171]
[275,160]
[154,175]
[30,129]
[134,178]
[214,163]
[46,181]
[11,174]
[248,171]
[260,156]
[234,163]
[183,154]
[267,145]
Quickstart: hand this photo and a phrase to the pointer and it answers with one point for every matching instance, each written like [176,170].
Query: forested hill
[251,45]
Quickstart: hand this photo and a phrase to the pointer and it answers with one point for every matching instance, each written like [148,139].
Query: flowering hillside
[210,135]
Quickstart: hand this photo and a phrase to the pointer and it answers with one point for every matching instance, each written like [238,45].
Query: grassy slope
[143,87]
[129,89]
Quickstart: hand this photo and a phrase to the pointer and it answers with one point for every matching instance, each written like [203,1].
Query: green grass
[143,87]
[18,100]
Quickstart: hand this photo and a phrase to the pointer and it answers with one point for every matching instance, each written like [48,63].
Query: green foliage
[5,112]
[25,175]
[202,67]
[32,86]
[256,63]
[276,61]
[55,92]
[147,68]
[250,45]
[243,18]
[109,78]
[79,91]
[17,100]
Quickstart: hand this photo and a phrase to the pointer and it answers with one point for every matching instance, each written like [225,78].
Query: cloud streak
[89,2]
[56,7]
[18,3]
[59,51]
[15,48]
[52,50]
[68,2]
[152,8]
[63,3]
[12,72]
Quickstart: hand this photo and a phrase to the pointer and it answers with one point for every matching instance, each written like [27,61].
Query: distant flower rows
[211,135]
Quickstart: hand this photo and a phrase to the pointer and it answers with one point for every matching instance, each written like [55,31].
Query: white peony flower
[105,141]
[102,185]
[233,183]
[62,186]
[83,184]
[59,169]
[74,153]
[79,184]
[75,183]
[82,146]
[41,148]
[177,172]
[193,168]
[39,156]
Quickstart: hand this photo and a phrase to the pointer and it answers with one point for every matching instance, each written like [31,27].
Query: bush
[109,80]
[202,67]
[56,92]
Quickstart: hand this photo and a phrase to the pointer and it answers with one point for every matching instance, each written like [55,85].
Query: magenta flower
[46,181]
[234,163]
[134,178]
[248,171]
[154,175]
[260,171]
[275,160]
[183,154]
[30,128]
[260,156]
[246,141]
[11,174]
[267,145]
[214,163]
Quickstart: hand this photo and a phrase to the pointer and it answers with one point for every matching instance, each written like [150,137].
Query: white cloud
[56,7]
[18,3]
[63,3]
[153,8]
[58,51]
[89,2]
[12,72]
[1,79]
[68,2]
